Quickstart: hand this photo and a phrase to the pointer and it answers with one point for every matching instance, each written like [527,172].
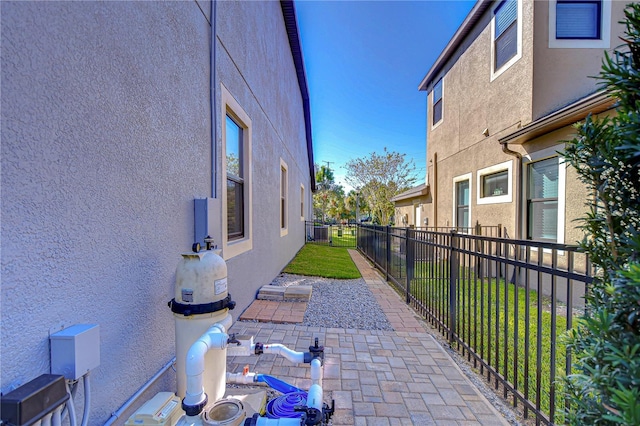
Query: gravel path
[339,303]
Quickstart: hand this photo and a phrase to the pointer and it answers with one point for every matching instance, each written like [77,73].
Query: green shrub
[606,343]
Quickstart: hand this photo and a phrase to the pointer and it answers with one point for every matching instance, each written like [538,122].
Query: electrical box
[32,401]
[200,220]
[161,410]
[75,350]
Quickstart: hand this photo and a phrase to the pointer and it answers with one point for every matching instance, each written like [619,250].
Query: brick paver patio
[400,377]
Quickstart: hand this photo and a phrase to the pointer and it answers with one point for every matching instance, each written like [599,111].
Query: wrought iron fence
[336,235]
[502,303]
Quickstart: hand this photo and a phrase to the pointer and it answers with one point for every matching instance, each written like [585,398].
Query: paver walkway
[400,377]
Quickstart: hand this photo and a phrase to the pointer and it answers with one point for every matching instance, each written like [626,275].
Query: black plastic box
[32,401]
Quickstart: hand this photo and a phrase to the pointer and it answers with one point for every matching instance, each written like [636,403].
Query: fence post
[410,259]
[453,280]
[388,254]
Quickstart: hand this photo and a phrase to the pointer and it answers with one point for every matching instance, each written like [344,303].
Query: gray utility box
[75,350]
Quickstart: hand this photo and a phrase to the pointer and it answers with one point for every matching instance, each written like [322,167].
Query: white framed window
[580,24]
[544,200]
[506,36]
[495,184]
[437,105]
[284,190]
[236,170]
[302,202]
[462,201]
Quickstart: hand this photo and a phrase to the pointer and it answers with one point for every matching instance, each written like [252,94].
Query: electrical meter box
[161,410]
[75,350]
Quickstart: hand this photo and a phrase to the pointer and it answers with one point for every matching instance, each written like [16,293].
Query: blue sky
[364,61]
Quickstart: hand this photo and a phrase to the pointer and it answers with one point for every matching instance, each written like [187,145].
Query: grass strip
[323,261]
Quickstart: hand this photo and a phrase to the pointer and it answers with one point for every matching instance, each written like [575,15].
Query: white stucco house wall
[116,116]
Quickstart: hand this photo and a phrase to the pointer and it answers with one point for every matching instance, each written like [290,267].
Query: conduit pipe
[128,403]
[518,179]
[195,398]
[71,408]
[87,399]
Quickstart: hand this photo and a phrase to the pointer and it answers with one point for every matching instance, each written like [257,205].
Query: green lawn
[486,308]
[323,261]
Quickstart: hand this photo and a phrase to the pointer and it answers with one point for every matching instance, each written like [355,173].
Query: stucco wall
[474,102]
[256,67]
[105,143]
[563,75]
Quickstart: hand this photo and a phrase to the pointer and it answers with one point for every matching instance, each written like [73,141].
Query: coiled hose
[283,406]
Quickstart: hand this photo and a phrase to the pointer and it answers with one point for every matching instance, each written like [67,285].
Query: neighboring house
[409,207]
[502,97]
[116,116]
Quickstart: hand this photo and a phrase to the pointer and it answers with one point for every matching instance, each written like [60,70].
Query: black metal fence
[336,235]
[502,303]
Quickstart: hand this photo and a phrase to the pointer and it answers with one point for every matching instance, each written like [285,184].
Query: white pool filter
[201,301]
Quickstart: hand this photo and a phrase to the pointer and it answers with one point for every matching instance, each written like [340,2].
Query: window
[506,32]
[461,201]
[437,102]
[495,183]
[235,177]
[542,200]
[283,198]
[579,24]
[235,180]
[578,19]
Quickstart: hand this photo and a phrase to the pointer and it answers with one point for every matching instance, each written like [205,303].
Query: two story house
[502,98]
[131,130]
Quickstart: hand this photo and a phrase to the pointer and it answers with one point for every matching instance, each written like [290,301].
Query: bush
[606,343]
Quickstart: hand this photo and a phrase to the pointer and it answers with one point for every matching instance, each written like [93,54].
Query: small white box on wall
[75,350]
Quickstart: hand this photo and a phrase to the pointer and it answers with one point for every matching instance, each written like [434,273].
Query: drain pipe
[212,97]
[518,198]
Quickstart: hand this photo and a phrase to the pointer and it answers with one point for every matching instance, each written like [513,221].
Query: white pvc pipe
[279,349]
[87,399]
[316,371]
[57,417]
[46,420]
[214,338]
[241,379]
[71,408]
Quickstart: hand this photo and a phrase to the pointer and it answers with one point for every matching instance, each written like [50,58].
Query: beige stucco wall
[408,207]
[105,143]
[563,75]
[473,103]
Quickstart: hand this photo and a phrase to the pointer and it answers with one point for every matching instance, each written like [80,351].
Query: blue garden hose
[277,384]
[284,406]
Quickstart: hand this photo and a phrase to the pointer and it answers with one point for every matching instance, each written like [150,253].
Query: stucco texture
[106,141]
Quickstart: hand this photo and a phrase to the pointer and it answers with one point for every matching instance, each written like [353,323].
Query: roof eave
[463,31]
[291,24]
[592,104]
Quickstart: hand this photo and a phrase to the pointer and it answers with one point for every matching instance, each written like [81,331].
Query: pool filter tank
[201,300]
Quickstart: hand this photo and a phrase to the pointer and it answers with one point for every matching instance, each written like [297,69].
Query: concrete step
[301,293]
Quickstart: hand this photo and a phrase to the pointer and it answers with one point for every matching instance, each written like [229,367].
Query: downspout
[212,97]
[518,198]
[435,189]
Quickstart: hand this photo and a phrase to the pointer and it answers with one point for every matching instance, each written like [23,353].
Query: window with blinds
[542,200]
[580,20]
[437,102]
[506,32]
[235,180]
[462,204]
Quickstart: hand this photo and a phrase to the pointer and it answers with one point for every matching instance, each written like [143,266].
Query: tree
[379,178]
[605,389]
[329,196]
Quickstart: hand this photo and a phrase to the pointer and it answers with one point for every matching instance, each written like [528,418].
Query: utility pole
[329,164]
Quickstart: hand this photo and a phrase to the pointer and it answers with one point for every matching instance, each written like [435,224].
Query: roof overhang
[463,31]
[593,104]
[417,191]
[291,24]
